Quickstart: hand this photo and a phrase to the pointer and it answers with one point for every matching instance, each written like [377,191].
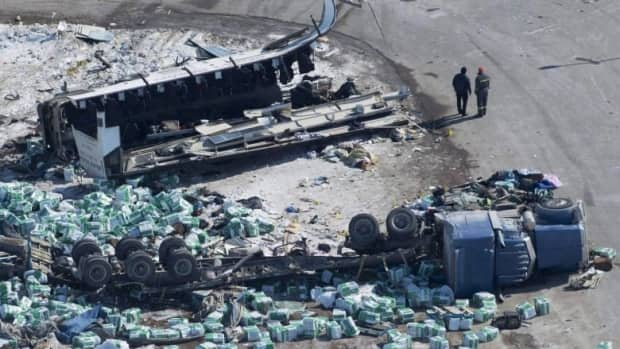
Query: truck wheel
[401,223]
[363,231]
[140,267]
[126,246]
[180,264]
[96,271]
[167,246]
[556,211]
[84,248]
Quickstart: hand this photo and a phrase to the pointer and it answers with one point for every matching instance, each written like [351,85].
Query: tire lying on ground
[180,264]
[402,224]
[83,248]
[556,211]
[167,246]
[363,232]
[140,267]
[95,271]
[126,246]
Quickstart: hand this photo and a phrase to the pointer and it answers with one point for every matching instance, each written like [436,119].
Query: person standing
[483,84]
[462,88]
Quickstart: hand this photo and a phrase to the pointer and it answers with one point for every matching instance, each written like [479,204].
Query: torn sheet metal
[93,33]
[207,51]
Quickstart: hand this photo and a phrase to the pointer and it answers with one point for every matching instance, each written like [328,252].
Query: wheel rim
[183,267]
[97,273]
[363,227]
[141,270]
[401,221]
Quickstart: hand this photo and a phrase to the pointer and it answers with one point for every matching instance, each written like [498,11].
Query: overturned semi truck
[222,108]
[493,244]
[517,236]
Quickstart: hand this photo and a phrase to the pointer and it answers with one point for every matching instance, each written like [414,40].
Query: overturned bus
[219,108]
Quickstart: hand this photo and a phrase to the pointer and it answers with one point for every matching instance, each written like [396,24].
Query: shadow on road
[541,281]
[581,60]
[447,120]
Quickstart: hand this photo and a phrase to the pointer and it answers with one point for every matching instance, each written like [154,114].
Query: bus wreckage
[222,108]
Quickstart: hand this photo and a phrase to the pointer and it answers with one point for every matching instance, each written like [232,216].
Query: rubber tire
[180,264]
[126,246]
[169,244]
[96,271]
[140,267]
[363,232]
[556,211]
[84,248]
[402,224]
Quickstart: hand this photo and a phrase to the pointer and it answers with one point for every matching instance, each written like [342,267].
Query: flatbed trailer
[214,272]
[209,272]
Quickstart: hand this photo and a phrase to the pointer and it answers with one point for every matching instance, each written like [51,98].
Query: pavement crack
[372,10]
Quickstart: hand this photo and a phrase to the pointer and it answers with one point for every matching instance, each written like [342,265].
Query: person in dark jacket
[462,88]
[347,90]
[303,95]
[483,84]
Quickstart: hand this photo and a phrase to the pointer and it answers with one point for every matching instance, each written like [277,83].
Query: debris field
[179,189]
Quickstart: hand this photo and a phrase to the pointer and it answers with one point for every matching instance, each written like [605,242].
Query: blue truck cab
[487,250]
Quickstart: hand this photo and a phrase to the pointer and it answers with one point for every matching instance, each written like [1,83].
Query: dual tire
[364,230]
[557,211]
[94,269]
[176,259]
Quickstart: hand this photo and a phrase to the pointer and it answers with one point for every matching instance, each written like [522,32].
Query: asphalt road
[554,65]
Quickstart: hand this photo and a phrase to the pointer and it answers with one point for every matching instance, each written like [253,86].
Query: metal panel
[560,247]
[469,248]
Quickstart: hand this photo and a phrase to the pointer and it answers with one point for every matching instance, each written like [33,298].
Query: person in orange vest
[483,84]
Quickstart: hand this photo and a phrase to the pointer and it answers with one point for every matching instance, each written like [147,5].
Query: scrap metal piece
[207,51]
[589,279]
[93,33]
[100,58]
[12,96]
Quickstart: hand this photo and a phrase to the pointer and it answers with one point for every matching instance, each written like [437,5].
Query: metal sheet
[93,33]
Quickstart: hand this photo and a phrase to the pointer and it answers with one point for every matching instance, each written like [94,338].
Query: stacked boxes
[482,298]
[541,305]
[487,334]
[348,288]
[416,330]
[86,340]
[470,340]
[405,315]
[349,329]
[251,334]
[439,343]
[526,311]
